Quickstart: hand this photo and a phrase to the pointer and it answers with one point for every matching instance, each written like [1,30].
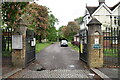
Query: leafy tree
[52,35]
[70,30]
[11,11]
[37,17]
[61,32]
[52,20]
[42,21]
[78,20]
[52,32]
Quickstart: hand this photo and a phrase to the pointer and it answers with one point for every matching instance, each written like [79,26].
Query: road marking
[90,74]
[72,50]
[71,65]
[53,57]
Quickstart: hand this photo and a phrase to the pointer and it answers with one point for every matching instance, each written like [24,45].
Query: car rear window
[64,41]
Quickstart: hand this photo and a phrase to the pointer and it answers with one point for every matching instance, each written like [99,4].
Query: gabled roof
[91,9]
[94,21]
[112,8]
[77,35]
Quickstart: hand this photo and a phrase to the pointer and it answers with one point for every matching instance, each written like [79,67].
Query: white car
[64,43]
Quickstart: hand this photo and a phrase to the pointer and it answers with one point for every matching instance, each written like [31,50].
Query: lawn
[73,47]
[41,46]
[107,52]
[111,52]
[112,55]
[6,53]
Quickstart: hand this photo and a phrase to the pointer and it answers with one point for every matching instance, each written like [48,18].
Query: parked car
[64,43]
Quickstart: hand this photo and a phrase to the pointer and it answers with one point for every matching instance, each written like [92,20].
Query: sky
[68,10]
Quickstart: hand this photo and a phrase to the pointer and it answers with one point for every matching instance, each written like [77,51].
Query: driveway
[56,57]
[57,62]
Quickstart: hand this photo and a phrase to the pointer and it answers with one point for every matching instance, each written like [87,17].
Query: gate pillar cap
[22,27]
[94,21]
[20,21]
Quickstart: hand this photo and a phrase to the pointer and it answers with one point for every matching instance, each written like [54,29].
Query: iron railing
[110,46]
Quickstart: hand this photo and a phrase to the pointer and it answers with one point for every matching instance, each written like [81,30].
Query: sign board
[96,41]
[96,46]
[17,42]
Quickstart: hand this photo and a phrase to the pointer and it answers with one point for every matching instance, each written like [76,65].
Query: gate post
[19,44]
[119,48]
[0,52]
[95,43]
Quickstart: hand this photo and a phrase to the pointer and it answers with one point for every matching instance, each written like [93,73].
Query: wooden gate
[30,50]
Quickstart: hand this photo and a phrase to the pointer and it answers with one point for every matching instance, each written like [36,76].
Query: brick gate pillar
[95,44]
[19,44]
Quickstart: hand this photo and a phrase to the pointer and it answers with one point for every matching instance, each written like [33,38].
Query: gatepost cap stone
[20,21]
[94,21]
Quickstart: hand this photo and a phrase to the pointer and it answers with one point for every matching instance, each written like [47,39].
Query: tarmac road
[56,57]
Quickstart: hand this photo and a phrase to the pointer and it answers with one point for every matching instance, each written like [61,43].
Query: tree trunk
[40,39]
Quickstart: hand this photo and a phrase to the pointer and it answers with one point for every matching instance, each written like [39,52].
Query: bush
[75,43]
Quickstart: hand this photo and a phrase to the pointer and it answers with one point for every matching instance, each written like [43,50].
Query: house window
[115,21]
[88,17]
[119,21]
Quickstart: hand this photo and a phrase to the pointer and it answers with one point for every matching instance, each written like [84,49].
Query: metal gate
[7,41]
[83,52]
[110,46]
[7,46]
[30,50]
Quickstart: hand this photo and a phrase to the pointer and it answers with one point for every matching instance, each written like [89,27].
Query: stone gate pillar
[19,44]
[95,44]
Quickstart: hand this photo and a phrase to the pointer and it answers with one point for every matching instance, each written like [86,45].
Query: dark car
[64,43]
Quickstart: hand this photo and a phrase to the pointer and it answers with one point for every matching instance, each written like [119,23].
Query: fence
[7,46]
[83,45]
[110,46]
[7,41]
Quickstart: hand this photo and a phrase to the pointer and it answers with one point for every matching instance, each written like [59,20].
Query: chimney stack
[101,1]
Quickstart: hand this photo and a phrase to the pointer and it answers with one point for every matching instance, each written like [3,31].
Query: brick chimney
[101,1]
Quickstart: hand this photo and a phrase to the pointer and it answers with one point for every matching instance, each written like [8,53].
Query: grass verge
[41,46]
[111,55]
[6,53]
[111,52]
[73,47]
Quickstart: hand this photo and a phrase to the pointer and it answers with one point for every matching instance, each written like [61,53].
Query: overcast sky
[68,10]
